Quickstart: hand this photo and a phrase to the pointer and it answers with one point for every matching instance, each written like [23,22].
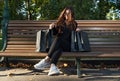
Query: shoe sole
[52,74]
[40,68]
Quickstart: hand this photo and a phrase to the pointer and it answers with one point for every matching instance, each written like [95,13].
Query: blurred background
[50,9]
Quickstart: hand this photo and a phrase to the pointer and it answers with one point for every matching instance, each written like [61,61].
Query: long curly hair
[70,22]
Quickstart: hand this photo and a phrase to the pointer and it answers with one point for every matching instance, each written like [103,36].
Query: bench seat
[65,54]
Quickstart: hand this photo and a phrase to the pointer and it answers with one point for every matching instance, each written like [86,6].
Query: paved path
[19,74]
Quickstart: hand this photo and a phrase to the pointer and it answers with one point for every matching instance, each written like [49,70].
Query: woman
[62,29]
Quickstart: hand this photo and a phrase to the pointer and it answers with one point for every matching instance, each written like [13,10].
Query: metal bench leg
[2,59]
[78,67]
[7,62]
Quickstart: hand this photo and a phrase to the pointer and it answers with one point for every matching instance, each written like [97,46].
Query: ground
[21,74]
[24,71]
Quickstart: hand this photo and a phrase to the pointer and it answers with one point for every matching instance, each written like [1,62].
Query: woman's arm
[53,28]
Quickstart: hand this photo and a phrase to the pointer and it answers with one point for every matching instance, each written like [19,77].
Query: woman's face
[67,13]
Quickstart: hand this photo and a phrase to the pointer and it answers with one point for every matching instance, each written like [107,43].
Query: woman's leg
[55,56]
[58,46]
[54,59]
[55,47]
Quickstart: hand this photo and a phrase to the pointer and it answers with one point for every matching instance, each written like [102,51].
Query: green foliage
[50,9]
[83,9]
[1,11]
[15,8]
[0,41]
[118,4]
[113,14]
[0,44]
[103,8]
[0,34]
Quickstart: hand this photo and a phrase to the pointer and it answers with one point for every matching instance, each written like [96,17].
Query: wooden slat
[104,39]
[66,54]
[31,21]
[21,39]
[21,46]
[20,50]
[29,24]
[21,43]
[27,27]
[18,31]
[106,43]
[22,36]
[80,24]
[79,21]
[103,45]
[105,49]
[17,50]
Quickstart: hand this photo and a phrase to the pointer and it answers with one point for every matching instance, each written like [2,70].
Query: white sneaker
[42,65]
[53,70]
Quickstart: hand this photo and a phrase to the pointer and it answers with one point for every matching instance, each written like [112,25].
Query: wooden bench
[104,36]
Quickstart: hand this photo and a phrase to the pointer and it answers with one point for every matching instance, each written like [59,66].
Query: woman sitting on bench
[62,30]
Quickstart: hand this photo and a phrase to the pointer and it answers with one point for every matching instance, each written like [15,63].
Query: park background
[50,9]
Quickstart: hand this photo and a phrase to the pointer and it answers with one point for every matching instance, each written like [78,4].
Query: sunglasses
[66,14]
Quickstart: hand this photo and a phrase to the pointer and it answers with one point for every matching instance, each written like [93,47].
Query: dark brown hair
[71,19]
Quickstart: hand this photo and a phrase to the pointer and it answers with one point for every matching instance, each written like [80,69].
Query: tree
[1,11]
[50,9]
[15,9]
[113,14]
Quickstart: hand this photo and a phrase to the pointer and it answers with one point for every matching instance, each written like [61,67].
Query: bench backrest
[104,35]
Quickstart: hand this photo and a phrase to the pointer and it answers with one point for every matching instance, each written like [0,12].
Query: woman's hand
[51,25]
[77,29]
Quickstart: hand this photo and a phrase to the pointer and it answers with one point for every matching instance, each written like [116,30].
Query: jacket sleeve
[55,31]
